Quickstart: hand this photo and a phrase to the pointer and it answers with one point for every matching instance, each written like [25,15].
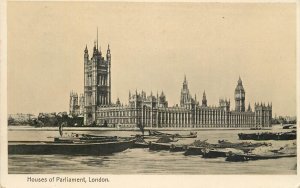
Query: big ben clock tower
[239,96]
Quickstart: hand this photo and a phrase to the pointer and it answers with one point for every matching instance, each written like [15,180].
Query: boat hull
[140,145]
[268,136]
[158,134]
[214,154]
[178,148]
[193,150]
[45,148]
[186,136]
[159,146]
[245,157]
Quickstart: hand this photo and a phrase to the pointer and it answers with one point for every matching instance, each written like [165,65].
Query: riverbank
[26,128]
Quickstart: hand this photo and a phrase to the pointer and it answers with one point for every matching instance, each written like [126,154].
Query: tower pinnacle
[184,81]
[240,81]
[204,101]
[108,53]
[97,38]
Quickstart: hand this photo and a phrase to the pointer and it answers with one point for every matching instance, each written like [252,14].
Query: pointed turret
[108,49]
[204,101]
[95,52]
[185,84]
[185,97]
[99,51]
[249,108]
[118,102]
[240,80]
[108,58]
[129,94]
[108,55]
[86,54]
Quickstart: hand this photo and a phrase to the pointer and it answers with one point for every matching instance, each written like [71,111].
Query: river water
[143,161]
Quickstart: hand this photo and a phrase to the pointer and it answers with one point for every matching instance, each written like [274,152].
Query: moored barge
[80,148]
[248,157]
[268,136]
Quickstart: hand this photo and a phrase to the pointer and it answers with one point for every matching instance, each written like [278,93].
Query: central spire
[97,38]
[240,81]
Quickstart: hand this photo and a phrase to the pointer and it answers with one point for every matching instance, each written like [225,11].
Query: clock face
[240,95]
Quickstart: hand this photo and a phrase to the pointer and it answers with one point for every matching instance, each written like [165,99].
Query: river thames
[143,161]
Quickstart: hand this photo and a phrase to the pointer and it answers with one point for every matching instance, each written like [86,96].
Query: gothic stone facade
[97,83]
[152,111]
[76,107]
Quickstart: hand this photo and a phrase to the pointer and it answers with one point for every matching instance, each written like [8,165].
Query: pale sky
[153,45]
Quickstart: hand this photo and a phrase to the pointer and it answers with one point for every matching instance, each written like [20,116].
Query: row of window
[216,123]
[184,121]
[116,113]
[118,121]
[176,116]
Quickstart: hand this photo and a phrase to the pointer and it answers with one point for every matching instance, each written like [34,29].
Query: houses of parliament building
[153,111]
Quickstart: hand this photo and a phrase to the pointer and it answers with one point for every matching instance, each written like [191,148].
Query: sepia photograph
[150,88]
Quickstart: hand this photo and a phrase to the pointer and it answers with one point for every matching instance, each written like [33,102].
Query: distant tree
[33,122]
[275,121]
[10,120]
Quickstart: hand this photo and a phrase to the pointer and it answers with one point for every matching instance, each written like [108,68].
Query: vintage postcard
[149,94]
